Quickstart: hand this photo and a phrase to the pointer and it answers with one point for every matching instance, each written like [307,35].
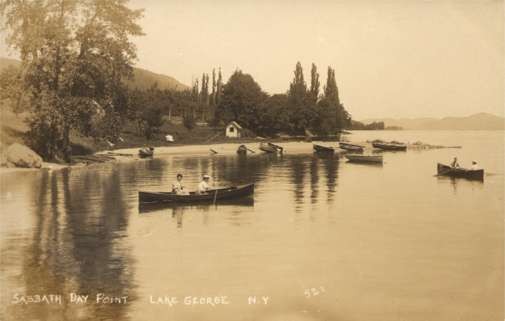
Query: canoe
[226,193]
[271,148]
[351,147]
[146,152]
[323,149]
[446,170]
[390,146]
[242,150]
[375,159]
[151,207]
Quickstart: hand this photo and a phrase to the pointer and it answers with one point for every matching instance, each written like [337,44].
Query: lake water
[323,239]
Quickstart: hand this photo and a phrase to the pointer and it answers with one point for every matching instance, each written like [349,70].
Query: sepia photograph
[252,160]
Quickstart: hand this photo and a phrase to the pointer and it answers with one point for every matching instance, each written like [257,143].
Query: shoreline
[229,147]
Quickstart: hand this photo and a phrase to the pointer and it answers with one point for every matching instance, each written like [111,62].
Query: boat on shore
[242,150]
[214,195]
[319,149]
[370,159]
[351,147]
[146,152]
[271,148]
[459,172]
[394,146]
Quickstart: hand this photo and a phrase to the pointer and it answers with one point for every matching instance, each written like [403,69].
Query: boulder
[22,156]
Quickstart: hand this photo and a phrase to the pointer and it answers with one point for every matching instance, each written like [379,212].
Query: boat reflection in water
[177,211]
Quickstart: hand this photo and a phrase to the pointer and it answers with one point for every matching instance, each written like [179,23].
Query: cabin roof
[235,124]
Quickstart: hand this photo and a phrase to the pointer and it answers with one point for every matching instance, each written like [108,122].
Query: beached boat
[374,159]
[323,149]
[351,147]
[446,170]
[146,152]
[271,148]
[242,150]
[214,195]
[396,146]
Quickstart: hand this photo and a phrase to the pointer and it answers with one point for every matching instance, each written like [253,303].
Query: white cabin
[233,130]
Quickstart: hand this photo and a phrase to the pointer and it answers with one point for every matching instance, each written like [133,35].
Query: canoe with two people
[454,170]
[179,194]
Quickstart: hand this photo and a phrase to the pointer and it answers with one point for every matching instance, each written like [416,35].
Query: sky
[392,58]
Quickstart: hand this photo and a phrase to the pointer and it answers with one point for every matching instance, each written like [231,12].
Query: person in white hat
[203,187]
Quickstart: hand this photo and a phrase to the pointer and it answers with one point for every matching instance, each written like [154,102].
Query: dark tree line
[300,110]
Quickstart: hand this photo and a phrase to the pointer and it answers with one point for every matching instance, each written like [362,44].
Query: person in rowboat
[178,187]
[454,163]
[204,187]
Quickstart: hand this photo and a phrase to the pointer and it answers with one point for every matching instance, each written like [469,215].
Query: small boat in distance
[372,159]
[473,174]
[242,150]
[146,152]
[396,146]
[226,193]
[351,147]
[323,149]
[271,148]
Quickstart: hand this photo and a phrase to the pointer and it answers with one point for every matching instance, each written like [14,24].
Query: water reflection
[75,245]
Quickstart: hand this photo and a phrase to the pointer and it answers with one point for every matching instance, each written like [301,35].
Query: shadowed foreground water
[323,239]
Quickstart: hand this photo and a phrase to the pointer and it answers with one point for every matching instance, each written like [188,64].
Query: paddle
[215,196]
[250,150]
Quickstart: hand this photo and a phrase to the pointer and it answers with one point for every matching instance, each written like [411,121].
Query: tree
[11,90]
[297,93]
[219,87]
[331,107]
[314,85]
[240,101]
[301,110]
[75,56]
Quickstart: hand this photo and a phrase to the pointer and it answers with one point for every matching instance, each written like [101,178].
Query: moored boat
[242,150]
[374,159]
[323,149]
[227,193]
[446,170]
[396,146]
[146,152]
[271,148]
[351,147]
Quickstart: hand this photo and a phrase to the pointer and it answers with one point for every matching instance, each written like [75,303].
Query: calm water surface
[323,239]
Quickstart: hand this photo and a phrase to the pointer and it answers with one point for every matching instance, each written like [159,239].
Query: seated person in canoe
[454,163]
[178,187]
[204,187]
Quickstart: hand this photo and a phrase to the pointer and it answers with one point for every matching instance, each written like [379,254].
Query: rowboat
[446,170]
[226,193]
[146,152]
[323,149]
[351,147]
[271,148]
[390,146]
[375,159]
[242,150]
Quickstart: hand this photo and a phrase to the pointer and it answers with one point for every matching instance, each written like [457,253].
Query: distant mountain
[480,121]
[143,79]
